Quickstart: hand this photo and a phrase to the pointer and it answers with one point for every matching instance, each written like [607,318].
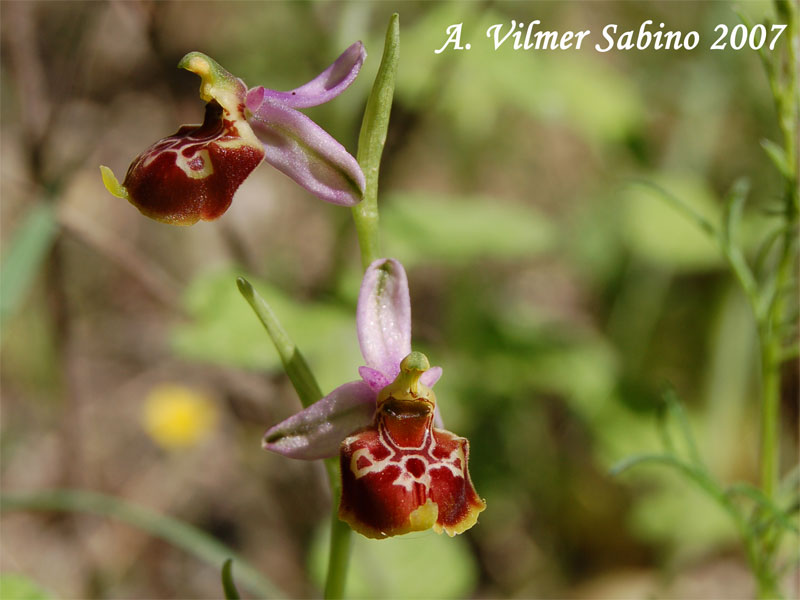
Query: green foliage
[657,232]
[223,330]
[762,525]
[582,91]
[778,157]
[24,258]
[422,227]
[14,586]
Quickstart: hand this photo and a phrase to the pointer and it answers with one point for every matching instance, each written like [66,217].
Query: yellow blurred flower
[176,416]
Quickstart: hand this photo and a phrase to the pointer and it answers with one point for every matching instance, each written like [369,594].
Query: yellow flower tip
[470,519]
[177,417]
[199,65]
[196,62]
[216,83]
[112,183]
[421,518]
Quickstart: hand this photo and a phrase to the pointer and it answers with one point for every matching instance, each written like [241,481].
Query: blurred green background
[560,296]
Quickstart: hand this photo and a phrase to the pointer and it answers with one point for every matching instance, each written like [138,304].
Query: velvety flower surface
[400,472]
[193,174]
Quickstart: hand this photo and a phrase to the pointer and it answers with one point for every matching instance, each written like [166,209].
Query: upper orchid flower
[194,173]
[400,473]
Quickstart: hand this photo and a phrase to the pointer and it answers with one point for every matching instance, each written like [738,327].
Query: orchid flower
[194,173]
[400,472]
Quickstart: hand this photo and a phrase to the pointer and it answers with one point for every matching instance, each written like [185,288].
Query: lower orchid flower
[194,173]
[400,471]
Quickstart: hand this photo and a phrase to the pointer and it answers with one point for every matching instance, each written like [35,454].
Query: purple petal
[437,418]
[317,431]
[431,376]
[383,317]
[301,149]
[376,380]
[328,84]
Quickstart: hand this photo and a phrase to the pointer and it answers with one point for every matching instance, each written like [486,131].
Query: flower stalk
[371,140]
[365,215]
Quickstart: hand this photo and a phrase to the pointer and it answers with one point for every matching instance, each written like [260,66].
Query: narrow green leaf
[748,22]
[181,534]
[733,208]
[778,157]
[231,593]
[371,141]
[688,211]
[24,257]
[753,493]
[675,408]
[767,245]
[732,254]
[701,478]
[638,459]
[296,367]
[692,473]
[305,384]
[662,423]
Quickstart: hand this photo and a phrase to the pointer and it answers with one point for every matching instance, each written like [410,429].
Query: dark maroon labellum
[193,173]
[403,475]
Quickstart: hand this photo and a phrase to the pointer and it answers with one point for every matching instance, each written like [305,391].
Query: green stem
[787,98]
[371,141]
[339,555]
[771,350]
[784,85]
[770,405]
[365,216]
